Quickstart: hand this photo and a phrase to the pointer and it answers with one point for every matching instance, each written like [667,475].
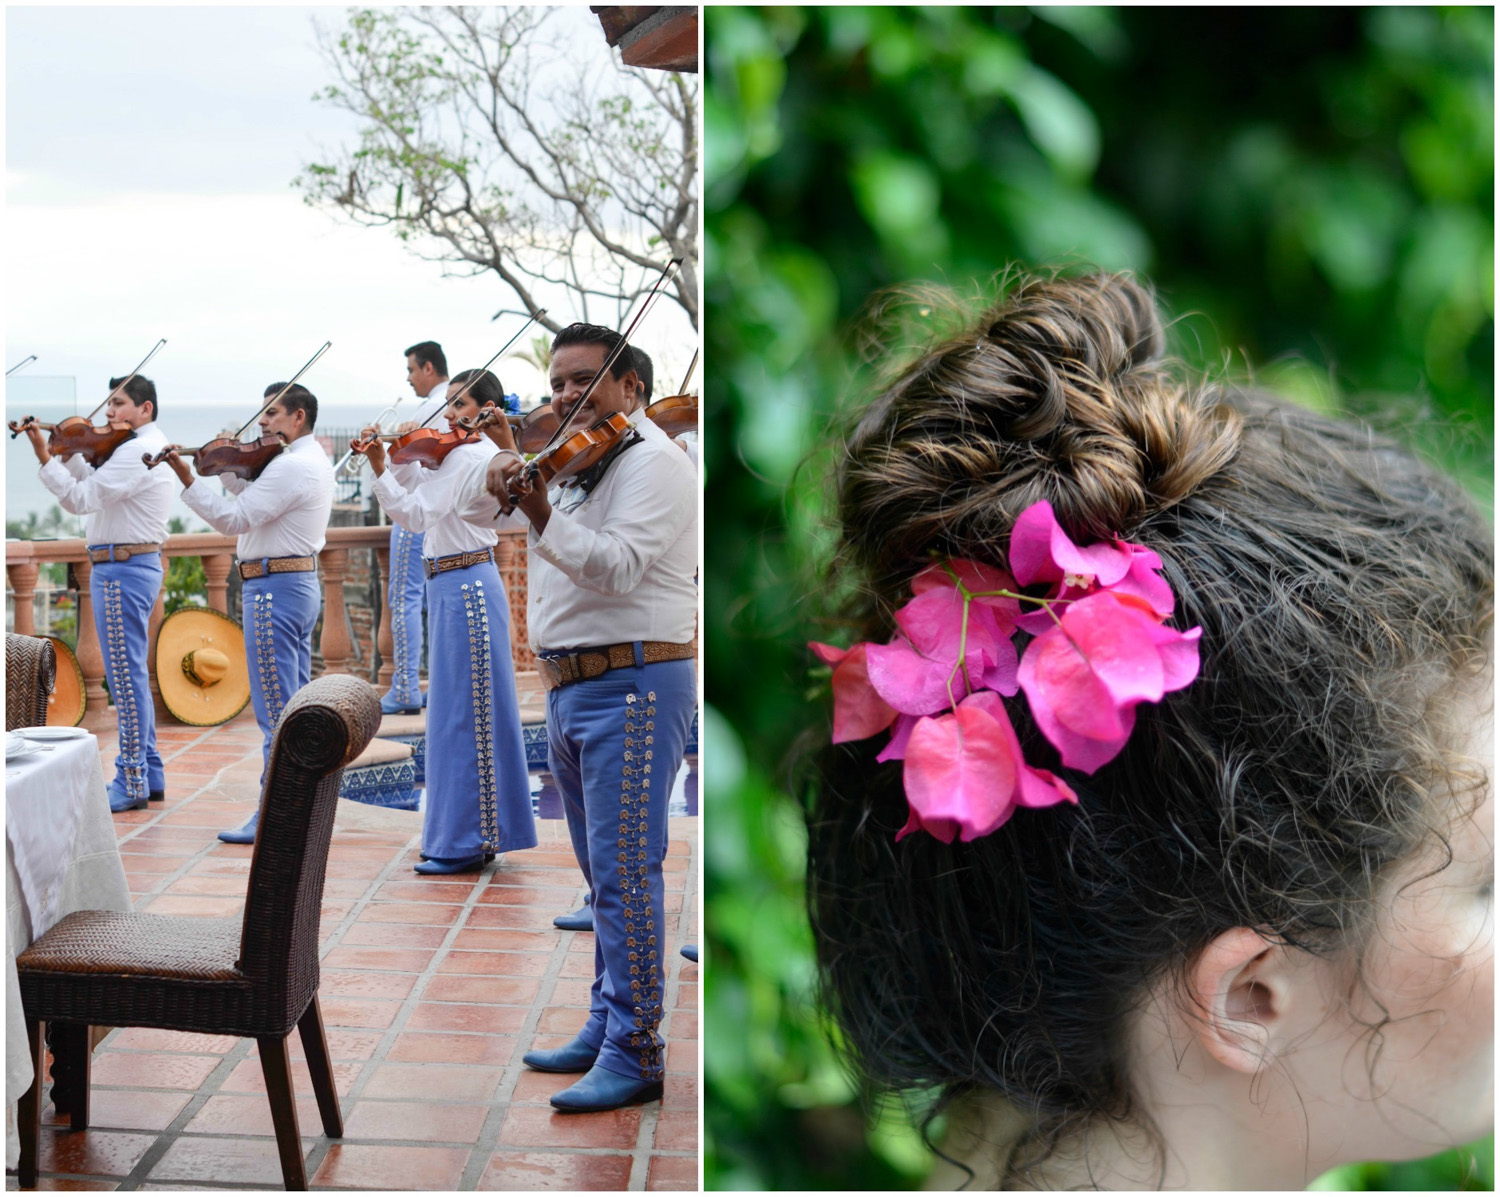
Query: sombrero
[65,703]
[200,666]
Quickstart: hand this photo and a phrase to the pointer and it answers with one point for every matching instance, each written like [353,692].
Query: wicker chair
[254,977]
[30,673]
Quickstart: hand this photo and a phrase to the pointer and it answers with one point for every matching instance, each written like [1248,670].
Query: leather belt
[441,565]
[277,565]
[589,663]
[121,552]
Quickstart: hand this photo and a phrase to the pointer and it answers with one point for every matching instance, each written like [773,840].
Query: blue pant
[404,594]
[478,795]
[605,741]
[280,612]
[124,593]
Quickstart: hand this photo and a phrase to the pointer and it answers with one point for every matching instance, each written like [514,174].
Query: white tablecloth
[61,856]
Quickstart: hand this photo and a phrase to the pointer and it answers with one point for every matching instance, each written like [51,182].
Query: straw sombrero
[65,703]
[200,666]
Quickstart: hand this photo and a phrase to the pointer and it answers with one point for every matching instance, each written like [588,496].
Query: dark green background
[1311,191]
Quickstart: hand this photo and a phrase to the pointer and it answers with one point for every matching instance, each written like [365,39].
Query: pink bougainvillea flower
[1040,551]
[1146,584]
[917,675]
[965,774]
[1084,677]
[858,710]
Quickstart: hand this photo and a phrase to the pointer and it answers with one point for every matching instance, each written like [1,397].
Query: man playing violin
[127,510]
[478,800]
[612,616]
[426,371]
[281,519]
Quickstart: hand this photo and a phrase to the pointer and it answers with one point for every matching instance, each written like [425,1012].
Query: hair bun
[1058,394]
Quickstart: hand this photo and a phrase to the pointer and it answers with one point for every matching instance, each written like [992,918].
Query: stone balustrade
[24,558]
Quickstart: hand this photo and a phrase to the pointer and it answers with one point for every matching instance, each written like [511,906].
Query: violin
[533,429]
[576,454]
[230,455]
[427,446]
[227,455]
[77,434]
[675,414]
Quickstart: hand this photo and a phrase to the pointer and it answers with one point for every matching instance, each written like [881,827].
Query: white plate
[53,733]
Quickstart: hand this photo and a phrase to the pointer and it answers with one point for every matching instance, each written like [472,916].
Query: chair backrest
[30,672]
[325,726]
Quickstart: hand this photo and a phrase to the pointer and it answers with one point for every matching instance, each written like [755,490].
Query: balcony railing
[23,560]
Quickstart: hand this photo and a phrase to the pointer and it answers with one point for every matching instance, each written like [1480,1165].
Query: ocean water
[184,424]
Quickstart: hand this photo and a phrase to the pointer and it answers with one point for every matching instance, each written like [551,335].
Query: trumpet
[343,466]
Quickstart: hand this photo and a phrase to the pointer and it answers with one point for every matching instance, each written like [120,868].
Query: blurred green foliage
[1311,190]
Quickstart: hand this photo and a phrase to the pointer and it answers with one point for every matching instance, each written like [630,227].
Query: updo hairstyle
[1342,588]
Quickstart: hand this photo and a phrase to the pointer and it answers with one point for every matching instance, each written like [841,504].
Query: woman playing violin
[281,519]
[478,798]
[127,521]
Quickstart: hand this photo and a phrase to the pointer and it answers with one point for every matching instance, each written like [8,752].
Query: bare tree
[493,145]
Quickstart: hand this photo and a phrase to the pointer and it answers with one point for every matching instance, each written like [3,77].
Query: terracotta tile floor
[431,990]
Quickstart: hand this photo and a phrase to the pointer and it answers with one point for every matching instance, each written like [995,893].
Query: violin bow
[19,364]
[126,380]
[478,374]
[611,357]
[688,377]
[283,391]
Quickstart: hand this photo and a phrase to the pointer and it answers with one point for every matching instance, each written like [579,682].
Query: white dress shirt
[283,513]
[124,501]
[619,563]
[427,501]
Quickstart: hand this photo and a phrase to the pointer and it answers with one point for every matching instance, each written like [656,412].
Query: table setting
[61,855]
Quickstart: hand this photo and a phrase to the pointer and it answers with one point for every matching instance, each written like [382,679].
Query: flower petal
[827,653]
[1143,582]
[1041,551]
[910,682]
[900,735]
[858,710]
[963,767]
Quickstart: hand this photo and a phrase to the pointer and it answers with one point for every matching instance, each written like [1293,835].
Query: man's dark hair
[297,398]
[597,334]
[429,353]
[644,372]
[486,390]
[141,390]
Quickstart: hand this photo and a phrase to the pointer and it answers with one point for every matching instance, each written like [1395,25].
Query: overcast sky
[149,160]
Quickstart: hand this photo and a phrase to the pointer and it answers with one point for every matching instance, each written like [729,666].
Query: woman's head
[1344,592]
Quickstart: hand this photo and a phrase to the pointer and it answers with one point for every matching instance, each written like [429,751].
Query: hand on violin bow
[512,487]
[373,448]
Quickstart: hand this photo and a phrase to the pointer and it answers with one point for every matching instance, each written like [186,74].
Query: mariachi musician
[281,519]
[478,800]
[612,556]
[127,510]
[427,373]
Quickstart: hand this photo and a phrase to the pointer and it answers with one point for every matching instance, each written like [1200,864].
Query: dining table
[61,856]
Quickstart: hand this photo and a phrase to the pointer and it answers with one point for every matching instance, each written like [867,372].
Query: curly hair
[1342,588]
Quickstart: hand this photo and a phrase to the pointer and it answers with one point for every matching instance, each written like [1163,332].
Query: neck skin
[1222,1128]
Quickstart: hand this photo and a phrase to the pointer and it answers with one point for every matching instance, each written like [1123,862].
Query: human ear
[1242,991]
